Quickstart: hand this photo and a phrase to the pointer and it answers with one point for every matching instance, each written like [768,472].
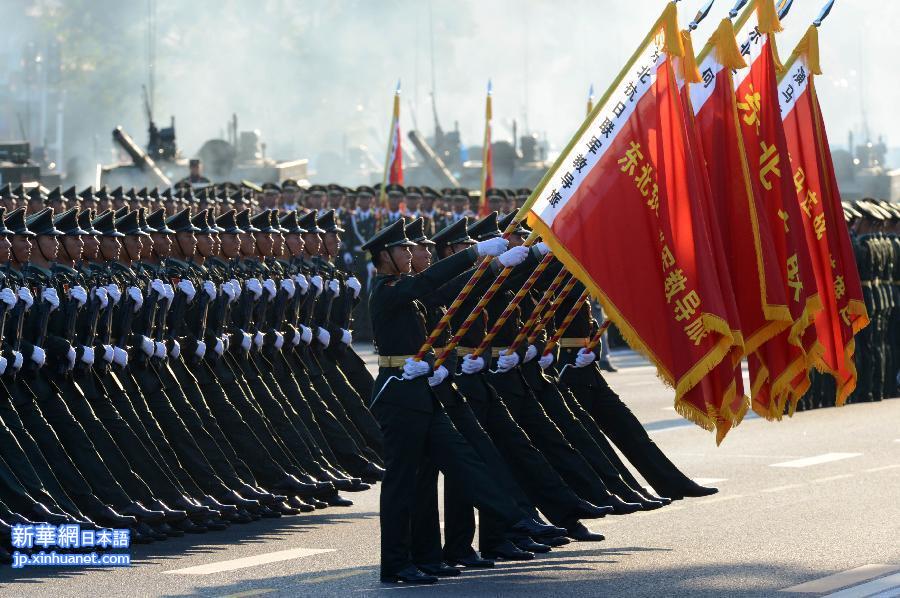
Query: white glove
[170,293]
[200,351]
[160,349]
[306,334]
[317,282]
[348,258]
[323,336]
[175,352]
[147,346]
[545,361]
[513,257]
[334,286]
[346,336]
[302,283]
[25,296]
[231,291]
[493,247]
[87,355]
[507,362]
[70,357]
[258,339]
[114,293]
[354,284]
[136,297]
[219,347]
[542,247]
[254,286]
[287,285]
[158,286]
[38,356]
[120,356]
[271,289]
[279,340]
[295,340]
[49,295]
[530,353]
[3,364]
[79,294]
[102,296]
[8,297]
[414,369]
[108,353]
[226,341]
[209,288]
[472,365]
[584,358]
[237,287]
[187,287]
[18,359]
[246,340]
[439,376]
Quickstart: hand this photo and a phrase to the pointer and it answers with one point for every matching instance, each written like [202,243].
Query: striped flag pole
[551,311]
[595,340]
[487,157]
[537,311]
[561,329]
[509,309]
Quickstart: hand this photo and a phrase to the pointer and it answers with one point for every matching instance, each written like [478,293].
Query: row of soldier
[177,374]
[875,234]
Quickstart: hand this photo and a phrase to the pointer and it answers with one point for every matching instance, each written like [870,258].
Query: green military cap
[42,223]
[309,222]
[36,194]
[270,186]
[157,220]
[120,212]
[335,189]
[128,224]
[484,228]
[105,225]
[142,221]
[428,191]
[251,186]
[201,221]
[3,230]
[131,196]
[523,191]
[415,232]
[16,223]
[317,189]
[505,221]
[6,191]
[263,222]
[453,234]
[143,194]
[180,222]
[84,222]
[328,222]
[188,197]
[365,189]
[392,235]
[290,223]
[290,185]
[117,193]
[228,186]
[394,188]
[276,223]
[243,222]
[101,194]
[166,195]
[71,194]
[227,223]
[67,222]
[55,195]
[153,194]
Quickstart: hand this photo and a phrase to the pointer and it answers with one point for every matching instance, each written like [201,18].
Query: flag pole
[561,329]
[382,196]
[487,174]
[538,311]
[590,101]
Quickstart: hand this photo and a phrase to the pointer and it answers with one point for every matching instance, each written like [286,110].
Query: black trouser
[409,437]
[356,371]
[352,402]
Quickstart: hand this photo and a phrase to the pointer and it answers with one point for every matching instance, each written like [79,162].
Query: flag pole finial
[785,7]
[490,87]
[397,90]
[701,14]
[736,8]
[825,10]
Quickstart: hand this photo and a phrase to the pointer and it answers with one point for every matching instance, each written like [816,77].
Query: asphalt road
[807,507]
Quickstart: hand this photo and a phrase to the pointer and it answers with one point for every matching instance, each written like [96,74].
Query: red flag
[827,237]
[487,156]
[779,368]
[393,162]
[617,210]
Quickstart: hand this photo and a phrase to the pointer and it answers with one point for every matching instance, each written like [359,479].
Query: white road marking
[842,579]
[250,561]
[782,488]
[708,481]
[882,468]
[817,460]
[885,584]
[832,478]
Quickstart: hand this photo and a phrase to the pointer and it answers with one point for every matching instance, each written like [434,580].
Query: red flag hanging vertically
[827,237]
[749,250]
[393,162]
[487,156]
[779,367]
[620,193]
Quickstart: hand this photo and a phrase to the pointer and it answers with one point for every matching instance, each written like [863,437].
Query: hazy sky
[313,75]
